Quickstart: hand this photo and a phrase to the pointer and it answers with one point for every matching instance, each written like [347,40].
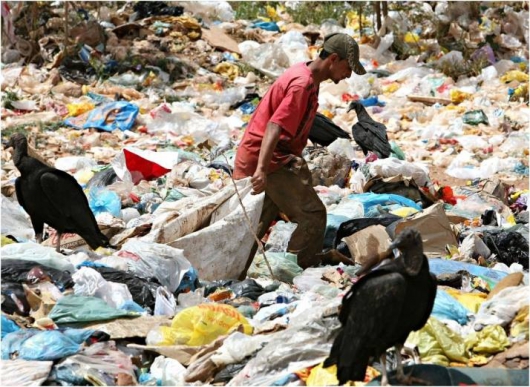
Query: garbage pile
[144,105]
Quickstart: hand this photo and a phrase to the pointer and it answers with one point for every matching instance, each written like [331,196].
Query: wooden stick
[249,224]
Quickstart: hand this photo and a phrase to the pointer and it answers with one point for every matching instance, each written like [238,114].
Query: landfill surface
[144,103]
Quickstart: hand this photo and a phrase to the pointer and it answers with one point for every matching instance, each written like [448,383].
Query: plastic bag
[165,263]
[8,326]
[33,344]
[200,325]
[391,167]
[103,200]
[283,266]
[34,252]
[75,308]
[438,344]
[502,308]
[279,236]
[88,282]
[108,116]
[143,291]
[169,371]
[100,364]
[15,221]
[14,299]
[489,341]
[447,307]
[25,271]
[165,304]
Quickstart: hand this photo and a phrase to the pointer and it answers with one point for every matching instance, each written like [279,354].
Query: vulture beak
[375,260]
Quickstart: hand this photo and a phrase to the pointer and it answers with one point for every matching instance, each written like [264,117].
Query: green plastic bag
[72,309]
[475,117]
[283,266]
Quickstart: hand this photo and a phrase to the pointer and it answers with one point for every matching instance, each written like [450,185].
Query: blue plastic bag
[448,307]
[372,101]
[131,306]
[369,200]
[12,342]
[108,116]
[102,200]
[439,266]
[267,26]
[8,326]
[189,281]
[48,345]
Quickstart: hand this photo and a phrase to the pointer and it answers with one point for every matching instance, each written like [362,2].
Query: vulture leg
[38,238]
[58,248]
[403,379]
[384,378]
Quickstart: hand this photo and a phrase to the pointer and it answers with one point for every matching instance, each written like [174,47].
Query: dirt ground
[438,174]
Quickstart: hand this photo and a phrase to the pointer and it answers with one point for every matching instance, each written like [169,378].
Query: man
[271,149]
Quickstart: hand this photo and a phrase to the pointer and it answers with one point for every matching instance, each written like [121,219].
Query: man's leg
[291,189]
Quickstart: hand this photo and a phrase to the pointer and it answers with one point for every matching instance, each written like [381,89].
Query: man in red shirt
[271,149]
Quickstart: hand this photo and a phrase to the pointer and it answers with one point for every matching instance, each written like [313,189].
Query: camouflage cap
[347,48]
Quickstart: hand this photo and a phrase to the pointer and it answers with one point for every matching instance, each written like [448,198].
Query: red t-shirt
[291,102]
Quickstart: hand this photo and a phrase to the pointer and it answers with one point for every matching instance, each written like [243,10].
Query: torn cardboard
[368,242]
[123,328]
[434,227]
[216,37]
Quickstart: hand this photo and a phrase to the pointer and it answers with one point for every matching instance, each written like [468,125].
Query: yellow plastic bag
[471,301]
[202,324]
[320,376]
[6,241]
[76,109]
[438,344]
[404,211]
[514,75]
[519,326]
[412,37]
[229,70]
[491,340]
[458,96]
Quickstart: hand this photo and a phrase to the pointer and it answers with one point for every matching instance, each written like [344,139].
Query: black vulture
[324,131]
[53,197]
[368,134]
[381,309]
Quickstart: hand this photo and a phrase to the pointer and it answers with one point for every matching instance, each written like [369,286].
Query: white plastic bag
[280,236]
[30,251]
[342,147]
[392,167]
[15,221]
[502,308]
[163,262]
[169,371]
[165,304]
[89,282]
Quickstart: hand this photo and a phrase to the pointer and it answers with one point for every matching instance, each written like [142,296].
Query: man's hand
[259,182]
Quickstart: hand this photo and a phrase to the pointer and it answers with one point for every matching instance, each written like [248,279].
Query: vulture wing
[379,138]
[69,201]
[324,131]
[20,195]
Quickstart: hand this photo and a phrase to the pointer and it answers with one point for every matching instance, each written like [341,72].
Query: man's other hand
[259,182]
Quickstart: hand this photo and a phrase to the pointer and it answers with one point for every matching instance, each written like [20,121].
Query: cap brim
[357,67]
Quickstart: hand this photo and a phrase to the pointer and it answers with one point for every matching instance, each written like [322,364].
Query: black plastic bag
[509,246]
[143,291]
[153,8]
[14,299]
[102,178]
[17,270]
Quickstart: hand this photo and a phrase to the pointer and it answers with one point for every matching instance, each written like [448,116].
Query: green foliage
[306,12]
